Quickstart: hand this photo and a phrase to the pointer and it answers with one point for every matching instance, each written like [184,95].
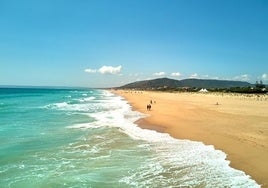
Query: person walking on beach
[149,106]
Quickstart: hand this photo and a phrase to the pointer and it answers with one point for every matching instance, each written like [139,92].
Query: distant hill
[171,83]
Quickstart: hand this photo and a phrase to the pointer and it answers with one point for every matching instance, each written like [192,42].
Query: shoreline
[233,124]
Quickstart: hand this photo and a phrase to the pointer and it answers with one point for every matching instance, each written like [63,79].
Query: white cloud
[105,70]
[195,75]
[110,70]
[264,77]
[244,77]
[175,74]
[159,73]
[90,70]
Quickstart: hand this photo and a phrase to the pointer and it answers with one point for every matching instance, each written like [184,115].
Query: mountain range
[191,83]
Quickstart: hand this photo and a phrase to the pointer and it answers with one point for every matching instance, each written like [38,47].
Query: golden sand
[235,124]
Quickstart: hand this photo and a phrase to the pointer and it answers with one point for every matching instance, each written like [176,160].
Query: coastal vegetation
[195,85]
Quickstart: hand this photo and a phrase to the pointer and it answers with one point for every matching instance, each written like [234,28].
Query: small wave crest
[84,126]
[72,106]
[88,99]
[56,105]
[2,104]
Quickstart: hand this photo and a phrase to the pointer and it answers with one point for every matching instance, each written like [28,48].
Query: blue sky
[110,43]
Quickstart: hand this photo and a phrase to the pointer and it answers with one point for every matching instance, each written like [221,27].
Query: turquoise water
[87,138]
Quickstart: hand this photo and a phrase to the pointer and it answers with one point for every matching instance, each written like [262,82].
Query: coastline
[235,124]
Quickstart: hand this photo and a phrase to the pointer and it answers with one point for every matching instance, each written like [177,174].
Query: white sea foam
[84,126]
[108,94]
[87,99]
[59,105]
[67,106]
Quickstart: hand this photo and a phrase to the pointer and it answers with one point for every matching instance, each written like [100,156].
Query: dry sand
[237,125]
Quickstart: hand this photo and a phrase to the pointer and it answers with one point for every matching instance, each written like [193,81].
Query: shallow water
[86,138]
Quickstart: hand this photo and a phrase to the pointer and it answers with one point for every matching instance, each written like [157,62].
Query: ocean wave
[86,99]
[73,107]
[84,126]
[56,105]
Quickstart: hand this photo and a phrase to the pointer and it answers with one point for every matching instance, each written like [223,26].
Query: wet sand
[236,124]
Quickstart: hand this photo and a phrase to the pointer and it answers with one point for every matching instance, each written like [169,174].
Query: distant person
[149,107]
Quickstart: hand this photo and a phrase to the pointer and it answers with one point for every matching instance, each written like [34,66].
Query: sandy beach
[236,124]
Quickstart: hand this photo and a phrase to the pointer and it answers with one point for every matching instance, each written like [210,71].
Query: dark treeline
[259,88]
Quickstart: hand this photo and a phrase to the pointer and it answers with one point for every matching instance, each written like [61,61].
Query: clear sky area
[98,43]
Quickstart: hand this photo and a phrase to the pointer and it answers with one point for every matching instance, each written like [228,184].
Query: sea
[87,138]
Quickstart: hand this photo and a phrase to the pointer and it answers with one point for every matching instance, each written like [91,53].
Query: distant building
[203,90]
